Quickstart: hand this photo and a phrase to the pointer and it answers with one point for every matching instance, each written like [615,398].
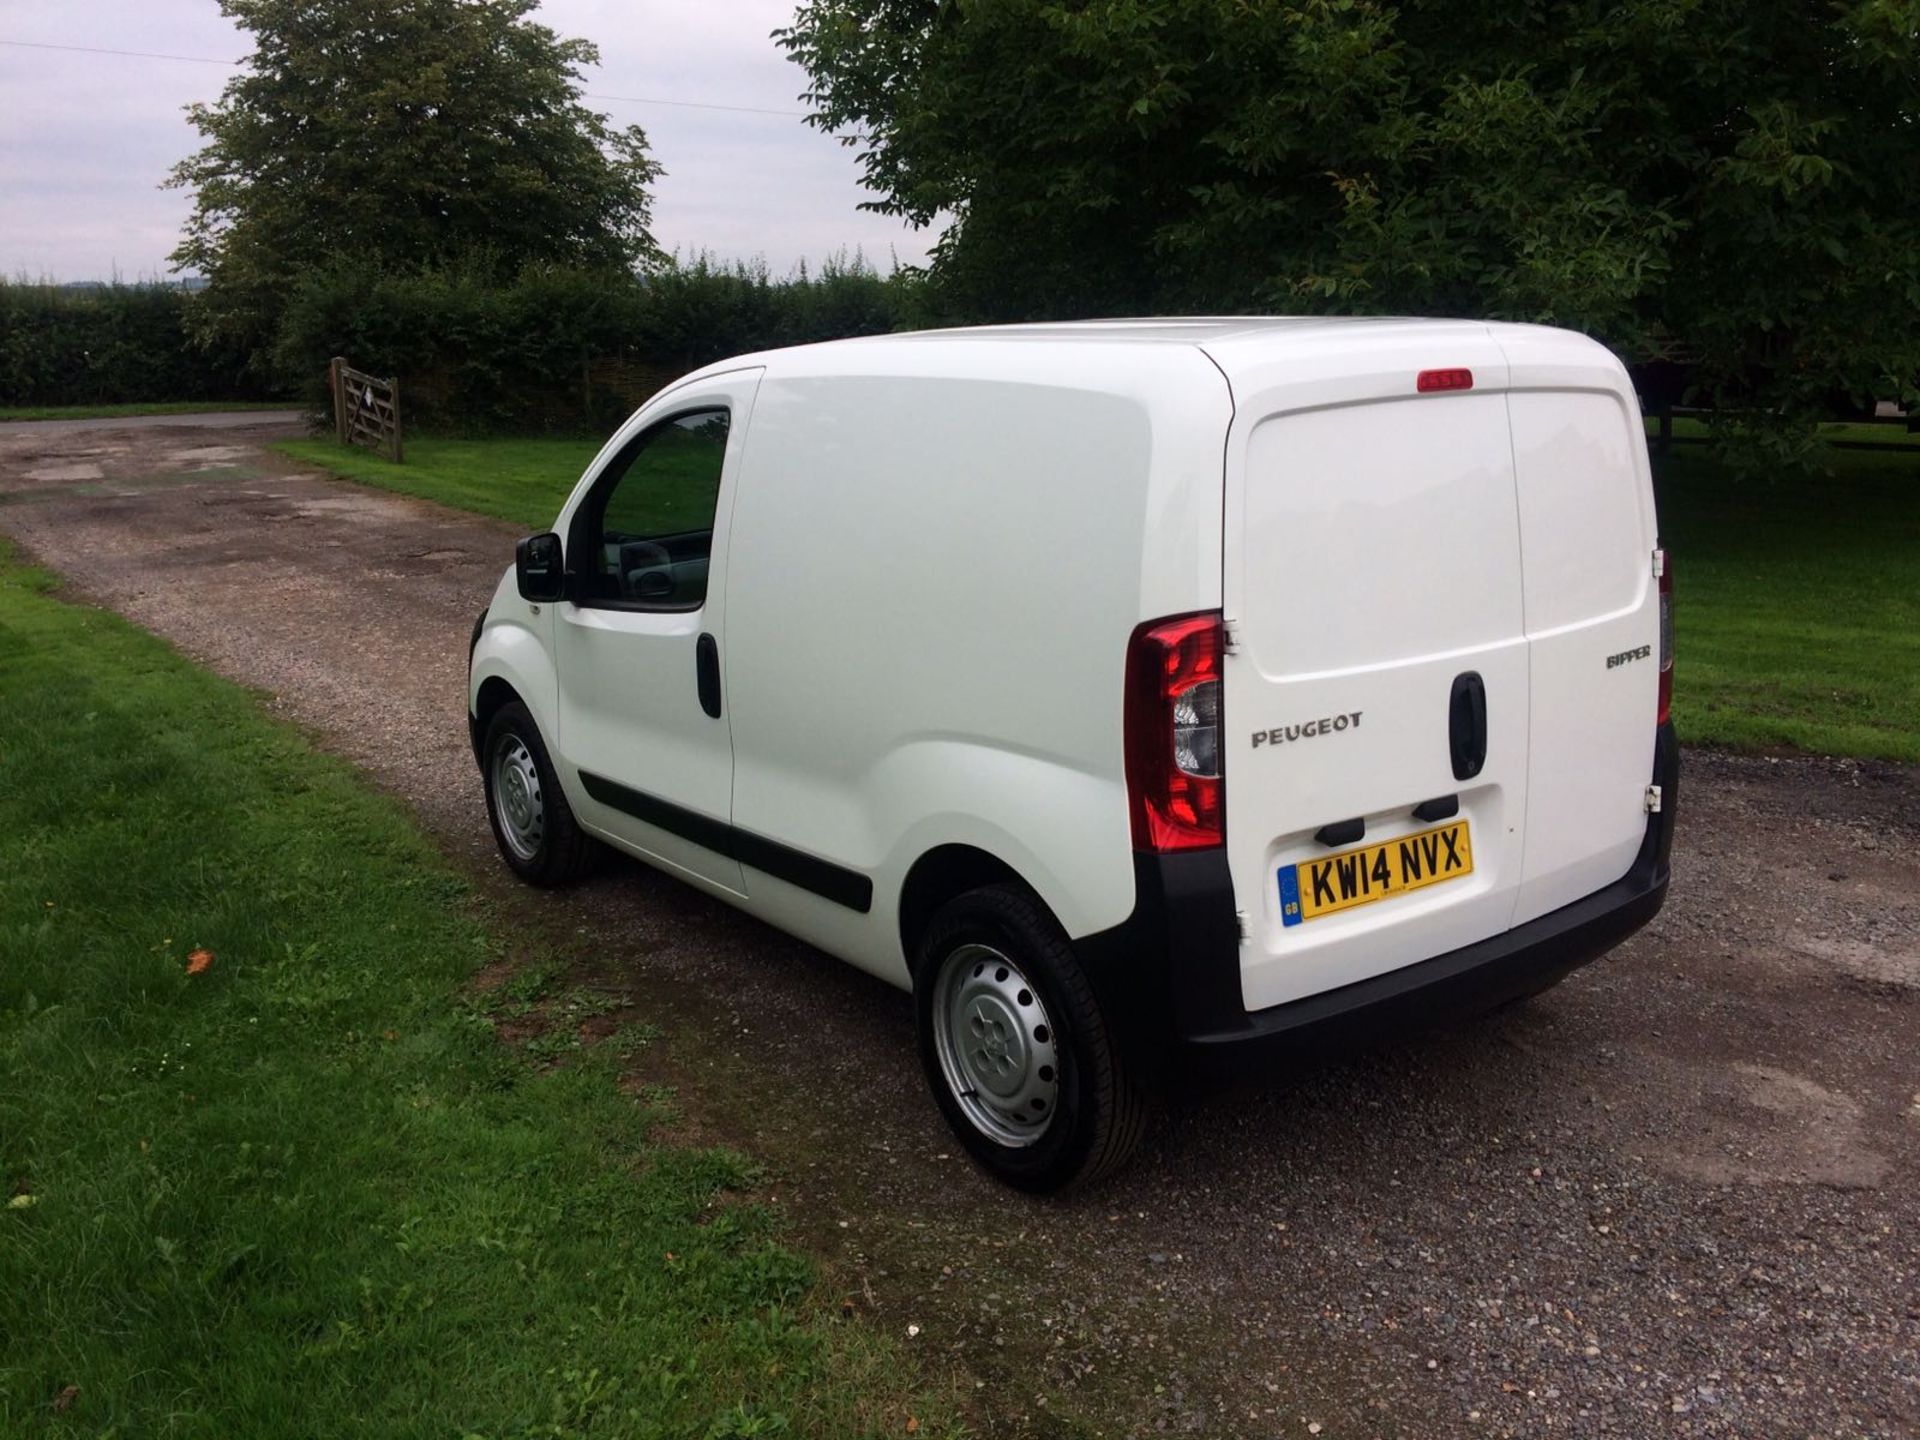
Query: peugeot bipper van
[1133,693]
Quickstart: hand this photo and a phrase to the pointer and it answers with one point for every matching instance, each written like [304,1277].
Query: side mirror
[539,568]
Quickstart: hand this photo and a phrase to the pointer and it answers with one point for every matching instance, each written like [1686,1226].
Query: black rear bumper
[1170,974]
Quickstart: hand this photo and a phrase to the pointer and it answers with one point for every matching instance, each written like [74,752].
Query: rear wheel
[532,823]
[1020,1058]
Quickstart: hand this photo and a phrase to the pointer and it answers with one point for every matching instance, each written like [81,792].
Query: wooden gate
[366,409]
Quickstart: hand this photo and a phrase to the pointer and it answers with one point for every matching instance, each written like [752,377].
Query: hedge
[561,349]
[554,349]
[114,345]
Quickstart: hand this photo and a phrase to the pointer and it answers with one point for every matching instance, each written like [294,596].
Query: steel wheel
[517,797]
[996,1045]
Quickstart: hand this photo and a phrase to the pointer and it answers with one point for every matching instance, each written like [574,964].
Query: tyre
[532,823]
[1023,1064]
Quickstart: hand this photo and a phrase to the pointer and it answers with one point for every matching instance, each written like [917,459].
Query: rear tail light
[1665,564]
[1174,785]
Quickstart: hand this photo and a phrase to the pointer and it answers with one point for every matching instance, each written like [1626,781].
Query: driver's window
[649,528]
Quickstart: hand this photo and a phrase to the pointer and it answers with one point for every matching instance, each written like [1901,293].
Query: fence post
[1666,429]
[395,391]
[339,401]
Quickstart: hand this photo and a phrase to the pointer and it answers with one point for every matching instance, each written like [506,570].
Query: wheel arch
[511,662]
[494,693]
[942,874]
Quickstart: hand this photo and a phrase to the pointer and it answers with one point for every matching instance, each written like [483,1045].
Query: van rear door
[1376,683]
[1587,533]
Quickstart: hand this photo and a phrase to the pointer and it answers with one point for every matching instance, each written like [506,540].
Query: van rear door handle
[706,673]
[1467,725]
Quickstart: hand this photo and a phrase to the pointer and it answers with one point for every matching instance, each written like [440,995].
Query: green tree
[1731,183]
[400,135]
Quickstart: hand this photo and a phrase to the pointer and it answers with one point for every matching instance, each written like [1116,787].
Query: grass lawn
[1797,606]
[305,1187]
[158,407]
[524,481]
[1798,601]
[1843,432]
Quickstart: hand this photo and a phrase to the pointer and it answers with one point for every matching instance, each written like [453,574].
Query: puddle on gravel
[1876,967]
[344,505]
[1761,1125]
[202,456]
[67,470]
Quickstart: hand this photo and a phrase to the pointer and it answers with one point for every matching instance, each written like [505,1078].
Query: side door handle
[706,671]
[1467,725]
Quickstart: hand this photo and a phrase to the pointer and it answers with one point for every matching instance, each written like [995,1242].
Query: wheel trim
[997,1046]
[519,806]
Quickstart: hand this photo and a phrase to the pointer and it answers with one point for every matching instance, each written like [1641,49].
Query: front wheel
[1023,1064]
[532,823]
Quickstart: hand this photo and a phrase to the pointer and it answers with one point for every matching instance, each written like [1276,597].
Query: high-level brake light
[1429,380]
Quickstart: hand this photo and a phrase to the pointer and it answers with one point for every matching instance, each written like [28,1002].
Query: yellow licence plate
[1320,886]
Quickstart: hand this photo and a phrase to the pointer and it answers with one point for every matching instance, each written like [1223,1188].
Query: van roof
[1231,342]
[1183,329]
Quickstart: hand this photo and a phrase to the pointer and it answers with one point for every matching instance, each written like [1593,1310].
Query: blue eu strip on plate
[1289,895]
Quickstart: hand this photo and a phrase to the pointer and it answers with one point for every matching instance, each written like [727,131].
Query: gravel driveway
[1679,1195]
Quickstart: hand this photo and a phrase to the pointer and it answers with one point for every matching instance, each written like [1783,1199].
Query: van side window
[647,528]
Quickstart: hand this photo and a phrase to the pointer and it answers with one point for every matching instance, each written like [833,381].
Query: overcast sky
[85,140]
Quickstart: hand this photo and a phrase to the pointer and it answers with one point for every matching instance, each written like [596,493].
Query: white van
[1134,693]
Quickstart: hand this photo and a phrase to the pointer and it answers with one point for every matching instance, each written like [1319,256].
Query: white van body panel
[923,669]
[626,713]
[1373,555]
[1588,533]
[1380,542]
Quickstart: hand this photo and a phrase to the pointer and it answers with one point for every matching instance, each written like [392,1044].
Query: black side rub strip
[824,878]
[715,835]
